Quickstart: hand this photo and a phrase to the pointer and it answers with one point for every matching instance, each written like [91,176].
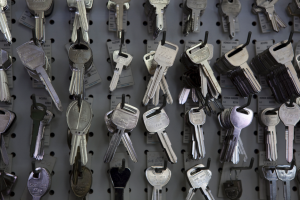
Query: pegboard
[57,29]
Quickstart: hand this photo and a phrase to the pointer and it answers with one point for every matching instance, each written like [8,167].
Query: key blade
[4,27]
[82,15]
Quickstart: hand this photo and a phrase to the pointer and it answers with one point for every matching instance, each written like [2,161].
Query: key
[199,179]
[121,62]
[5,64]
[119,179]
[38,9]
[194,95]
[82,15]
[76,26]
[271,179]
[204,83]
[84,183]
[155,100]
[197,8]
[159,11]
[233,189]
[197,118]
[33,57]
[289,116]
[10,182]
[39,186]
[184,94]
[165,88]
[157,180]
[269,9]
[157,124]
[79,121]
[286,177]
[6,120]
[3,21]
[124,119]
[231,9]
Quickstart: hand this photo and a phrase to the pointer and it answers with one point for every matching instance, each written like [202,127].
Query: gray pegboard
[136,35]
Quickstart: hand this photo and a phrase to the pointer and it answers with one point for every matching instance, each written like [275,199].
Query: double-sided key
[231,9]
[40,185]
[119,179]
[286,176]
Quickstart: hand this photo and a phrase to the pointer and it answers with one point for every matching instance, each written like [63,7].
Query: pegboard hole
[145,134]
[183,189]
[14,78]
[180,23]
[290,23]
[52,40]
[109,78]
[13,135]
[146,151]
[256,169]
[14,59]
[145,41]
[182,170]
[106,22]
[91,191]
[53,78]
[218,23]
[91,41]
[255,114]
[14,96]
[108,60]
[201,23]
[52,153]
[145,78]
[129,133]
[145,23]
[108,190]
[52,21]
[52,173]
[51,192]
[182,151]
[127,41]
[219,132]
[11,194]
[14,40]
[182,115]
[109,96]
[181,133]
[218,5]
[256,151]
[253,41]
[52,60]
[294,188]
[91,96]
[128,23]
[146,190]
[255,132]
[180,5]
[220,169]
[108,40]
[13,21]
[255,96]
[91,152]
[181,41]
[253,23]
[91,134]
[219,151]
[13,2]
[71,97]
[218,41]
[90,22]
[13,154]
[92,171]
[257,188]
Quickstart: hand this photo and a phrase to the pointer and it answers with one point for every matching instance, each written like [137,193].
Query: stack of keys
[125,138]
[163,85]
[155,11]
[156,121]
[123,119]
[230,9]
[269,119]
[7,182]
[119,178]
[40,10]
[276,65]
[199,179]
[118,6]
[33,58]
[193,11]
[79,118]
[5,64]
[7,118]
[39,183]
[80,19]
[3,21]
[81,60]
[268,8]
[164,57]
[233,122]
[83,182]
[234,65]
[293,8]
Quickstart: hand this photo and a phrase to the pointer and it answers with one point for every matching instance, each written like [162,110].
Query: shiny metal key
[39,186]
[159,6]
[231,9]
[3,21]
[271,180]
[76,26]
[183,95]
[5,64]
[269,9]
[286,176]
[197,7]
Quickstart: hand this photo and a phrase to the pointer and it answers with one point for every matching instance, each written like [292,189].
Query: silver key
[184,94]
[76,26]
[82,15]
[159,6]
[231,9]
[121,62]
[269,9]
[197,8]
[38,187]
[33,57]
[5,64]
[155,100]
[5,122]
[286,176]
[271,179]
[290,116]
[3,21]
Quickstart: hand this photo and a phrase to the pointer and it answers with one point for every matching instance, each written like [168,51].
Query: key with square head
[286,176]
[158,180]
[3,21]
[231,9]
[123,119]
[79,121]
[197,7]
[197,118]
[38,9]
[33,57]
[293,8]
[271,179]
[159,6]
[84,183]
[269,9]
[40,185]
[157,123]
[5,64]
[290,116]
[121,62]
[119,179]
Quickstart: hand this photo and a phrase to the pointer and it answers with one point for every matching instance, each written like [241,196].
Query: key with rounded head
[119,179]
[158,180]
[33,57]
[290,116]
[3,21]
[39,186]
[231,9]
[286,176]
[84,183]
[121,62]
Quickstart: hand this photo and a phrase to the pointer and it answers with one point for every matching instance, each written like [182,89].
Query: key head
[32,56]
[239,58]
[198,55]
[165,54]
[119,178]
[5,60]
[266,3]
[198,178]
[157,3]
[38,114]
[269,174]
[158,179]
[80,54]
[233,189]
[156,122]
[241,120]
[270,119]
[289,115]
[126,117]
[39,5]
[122,60]
[150,63]
[286,175]
[5,120]
[231,8]
[197,117]
[3,3]
[38,187]
[84,182]
[282,55]
[196,4]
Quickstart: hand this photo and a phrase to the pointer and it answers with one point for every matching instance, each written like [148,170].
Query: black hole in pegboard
[167,189]
[255,96]
[145,170]
[290,23]
[218,41]
[145,78]
[71,97]
[52,135]
[256,151]
[145,23]
[13,173]
[70,40]
[127,41]
[11,194]
[255,114]
[146,151]
[13,154]
[128,23]
[14,40]
[91,134]
[90,22]
[182,151]
[183,189]
[180,23]
[182,170]
[52,21]
[294,188]
[108,60]
[14,59]
[52,153]
[14,78]
[129,189]
[181,114]
[218,23]
[91,152]
[52,60]
[253,41]
[145,133]
[52,40]
[146,190]
[218,5]
[129,133]
[253,23]
[14,96]
[13,21]
[180,5]
[108,190]
[217,59]
[52,173]
[255,132]
[91,41]
[106,22]
[109,96]
[294,150]
[108,40]
[219,132]
[70,171]
[181,41]
[91,191]
[201,23]
[92,171]
[220,169]
[145,41]
[181,133]
[109,78]
[219,151]
[257,188]
[53,78]
[13,135]
[91,96]
[69,21]
[218,78]
[256,169]
[13,2]
[51,192]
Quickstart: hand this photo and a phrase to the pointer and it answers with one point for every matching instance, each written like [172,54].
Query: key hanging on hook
[123,101]
[161,169]
[205,40]
[33,168]
[163,40]
[243,168]
[285,43]
[159,110]
[241,108]
[242,47]
[121,45]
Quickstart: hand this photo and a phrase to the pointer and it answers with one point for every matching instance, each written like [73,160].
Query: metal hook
[123,101]
[241,108]
[285,43]
[292,101]
[205,40]
[203,106]
[163,41]
[160,170]
[241,48]
[35,172]
[287,168]
[33,98]
[244,168]
[121,169]
[159,110]
[34,38]
[121,45]
[207,165]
